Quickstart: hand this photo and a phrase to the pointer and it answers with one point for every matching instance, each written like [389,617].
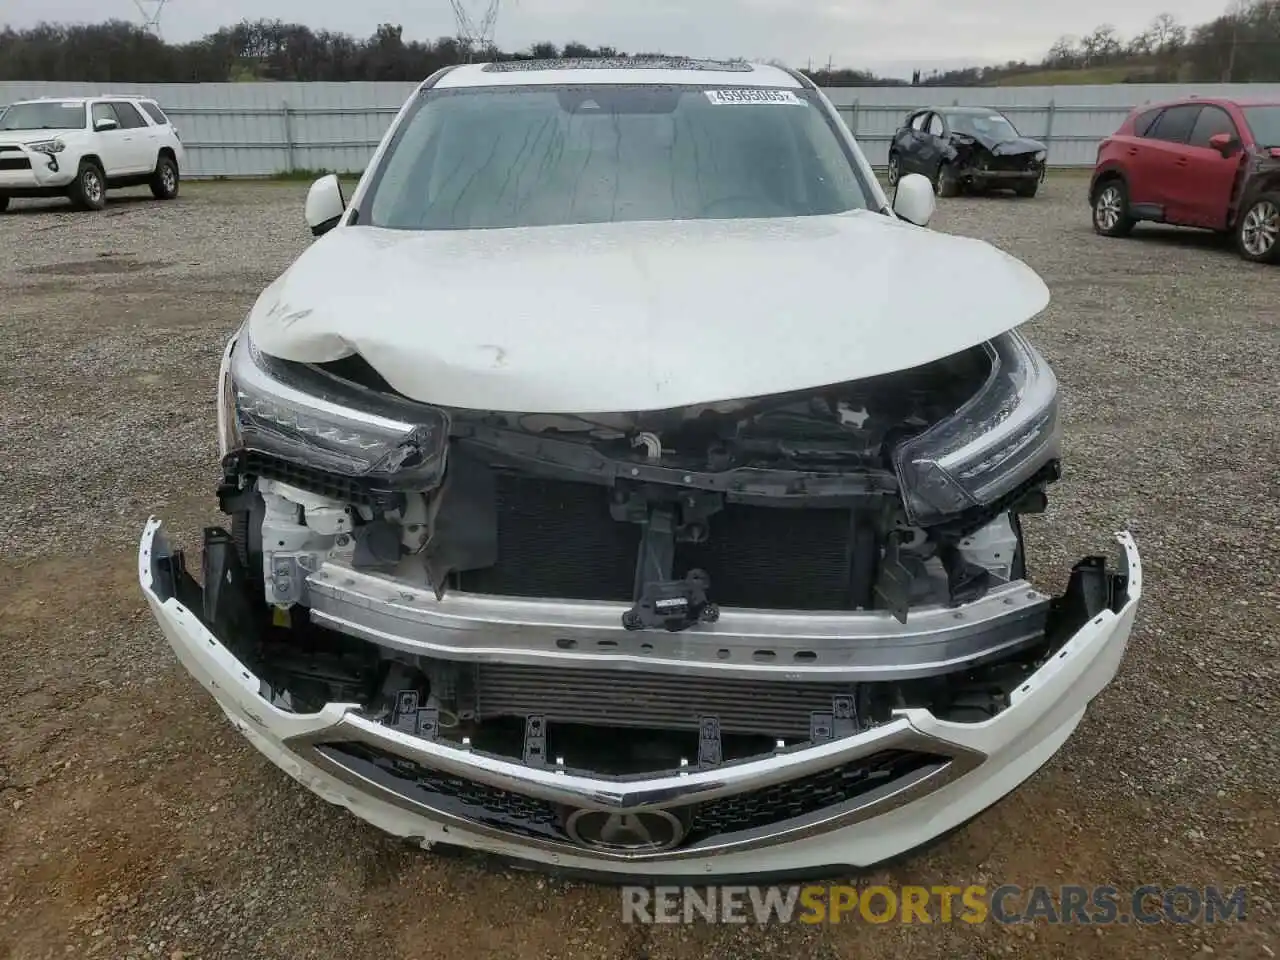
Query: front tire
[1258,232]
[946,185]
[164,182]
[1111,209]
[90,188]
[4,203]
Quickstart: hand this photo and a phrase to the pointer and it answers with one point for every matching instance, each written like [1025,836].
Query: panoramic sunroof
[620,63]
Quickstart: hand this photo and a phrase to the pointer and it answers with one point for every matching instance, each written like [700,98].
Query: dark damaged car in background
[973,149]
[594,503]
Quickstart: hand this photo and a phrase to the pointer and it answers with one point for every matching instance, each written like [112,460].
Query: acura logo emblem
[646,831]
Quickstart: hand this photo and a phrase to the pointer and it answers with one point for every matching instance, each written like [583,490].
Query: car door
[908,142]
[110,145]
[1206,179]
[140,146]
[1135,154]
[936,141]
[1166,165]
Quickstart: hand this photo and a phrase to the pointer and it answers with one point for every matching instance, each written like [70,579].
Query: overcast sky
[890,38]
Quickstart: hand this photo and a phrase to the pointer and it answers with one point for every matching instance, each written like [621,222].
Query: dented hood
[644,315]
[1011,148]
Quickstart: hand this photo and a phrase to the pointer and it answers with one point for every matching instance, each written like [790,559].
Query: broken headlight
[997,440]
[301,414]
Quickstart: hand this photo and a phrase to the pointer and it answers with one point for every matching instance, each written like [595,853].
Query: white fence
[261,129]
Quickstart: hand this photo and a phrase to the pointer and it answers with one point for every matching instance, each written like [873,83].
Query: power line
[472,35]
[151,10]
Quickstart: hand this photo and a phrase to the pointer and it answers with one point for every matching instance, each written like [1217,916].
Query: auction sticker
[748,95]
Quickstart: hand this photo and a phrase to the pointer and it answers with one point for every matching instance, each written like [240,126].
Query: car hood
[1009,148]
[10,137]
[641,315]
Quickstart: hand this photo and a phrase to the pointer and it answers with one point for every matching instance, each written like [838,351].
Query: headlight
[47,146]
[1040,155]
[310,418]
[997,440]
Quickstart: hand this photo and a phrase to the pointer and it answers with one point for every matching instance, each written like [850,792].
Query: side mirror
[104,124]
[913,200]
[325,204]
[1224,143]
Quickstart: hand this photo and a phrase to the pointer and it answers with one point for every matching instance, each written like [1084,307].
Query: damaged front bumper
[800,808]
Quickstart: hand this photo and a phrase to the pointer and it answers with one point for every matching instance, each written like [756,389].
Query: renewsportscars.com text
[973,904]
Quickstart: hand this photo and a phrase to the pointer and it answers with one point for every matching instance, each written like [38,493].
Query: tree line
[1241,45]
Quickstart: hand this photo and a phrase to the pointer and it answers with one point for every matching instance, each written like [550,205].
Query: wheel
[1111,209]
[895,170]
[1258,233]
[164,182]
[946,184]
[1027,189]
[90,187]
[4,203]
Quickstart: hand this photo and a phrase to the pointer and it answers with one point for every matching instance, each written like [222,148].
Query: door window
[1176,123]
[103,111]
[1212,120]
[917,122]
[154,112]
[1143,124]
[129,116]
[935,125]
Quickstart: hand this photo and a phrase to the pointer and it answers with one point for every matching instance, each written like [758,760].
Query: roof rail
[799,77]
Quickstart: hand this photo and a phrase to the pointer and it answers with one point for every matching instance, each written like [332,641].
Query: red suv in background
[1201,162]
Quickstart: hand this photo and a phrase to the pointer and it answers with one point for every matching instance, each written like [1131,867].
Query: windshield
[1265,124]
[543,155]
[985,125]
[49,115]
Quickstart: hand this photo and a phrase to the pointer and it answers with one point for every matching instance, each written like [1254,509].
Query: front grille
[15,163]
[556,538]
[1020,161]
[530,817]
[476,802]
[811,794]
[657,701]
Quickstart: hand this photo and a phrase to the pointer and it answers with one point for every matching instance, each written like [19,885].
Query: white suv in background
[79,147]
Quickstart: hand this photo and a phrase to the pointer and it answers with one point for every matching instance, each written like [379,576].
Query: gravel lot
[135,822]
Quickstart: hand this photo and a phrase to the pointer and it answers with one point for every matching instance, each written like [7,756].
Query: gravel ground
[135,822]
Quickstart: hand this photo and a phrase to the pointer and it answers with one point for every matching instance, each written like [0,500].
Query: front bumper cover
[42,173]
[976,763]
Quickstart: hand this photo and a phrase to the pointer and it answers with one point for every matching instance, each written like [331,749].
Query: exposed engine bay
[792,503]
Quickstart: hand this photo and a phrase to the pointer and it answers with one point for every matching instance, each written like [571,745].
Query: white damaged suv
[82,146]
[615,486]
